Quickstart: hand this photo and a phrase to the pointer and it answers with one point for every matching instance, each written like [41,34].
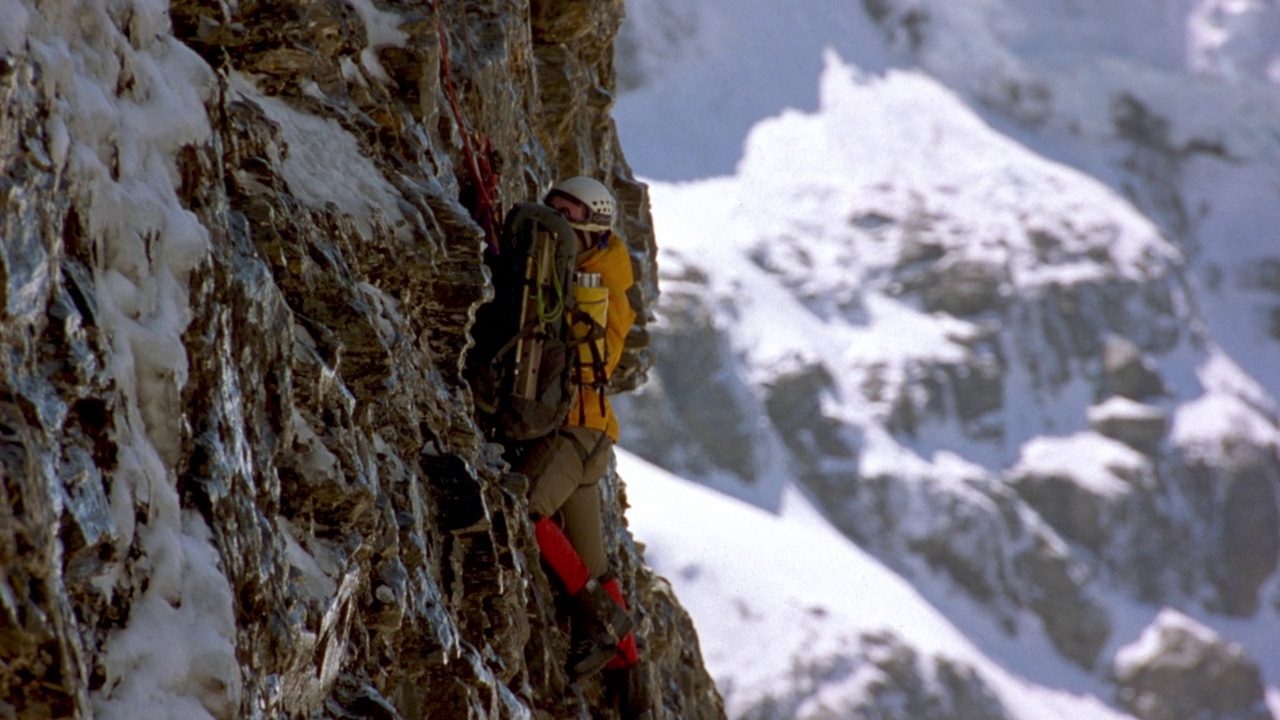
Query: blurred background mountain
[993,290]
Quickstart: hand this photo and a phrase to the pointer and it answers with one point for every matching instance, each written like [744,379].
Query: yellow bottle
[592,299]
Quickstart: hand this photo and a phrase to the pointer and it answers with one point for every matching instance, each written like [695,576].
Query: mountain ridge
[989,301]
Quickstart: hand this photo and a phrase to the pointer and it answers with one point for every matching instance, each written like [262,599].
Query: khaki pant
[564,473]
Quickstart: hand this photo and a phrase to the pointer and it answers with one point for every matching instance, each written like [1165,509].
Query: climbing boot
[601,625]
[628,653]
[605,619]
[587,657]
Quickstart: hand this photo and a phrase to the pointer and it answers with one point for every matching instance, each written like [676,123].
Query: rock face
[241,254]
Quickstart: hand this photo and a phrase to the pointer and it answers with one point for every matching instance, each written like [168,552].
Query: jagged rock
[963,287]
[1127,372]
[1263,274]
[992,547]
[1181,670]
[1057,591]
[706,391]
[1160,523]
[794,405]
[1139,426]
[242,252]
[1081,485]
[968,389]
[896,683]
[1234,494]
[977,384]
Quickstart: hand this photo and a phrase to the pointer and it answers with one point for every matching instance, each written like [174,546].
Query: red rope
[485,205]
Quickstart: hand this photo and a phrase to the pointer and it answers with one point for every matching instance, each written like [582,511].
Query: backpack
[524,368]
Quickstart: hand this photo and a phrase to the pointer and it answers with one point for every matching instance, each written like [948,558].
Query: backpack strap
[599,372]
[529,330]
[598,369]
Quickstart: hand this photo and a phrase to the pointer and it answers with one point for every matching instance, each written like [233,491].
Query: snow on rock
[324,163]
[176,657]
[1169,103]
[921,154]
[892,233]
[1179,668]
[1234,40]
[174,654]
[1234,409]
[913,233]
[1135,424]
[1095,464]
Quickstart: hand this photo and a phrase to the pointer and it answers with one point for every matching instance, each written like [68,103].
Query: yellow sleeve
[617,276]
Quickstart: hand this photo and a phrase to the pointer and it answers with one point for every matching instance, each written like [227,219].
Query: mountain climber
[564,468]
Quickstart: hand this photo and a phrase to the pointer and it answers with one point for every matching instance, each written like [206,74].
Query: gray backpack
[521,367]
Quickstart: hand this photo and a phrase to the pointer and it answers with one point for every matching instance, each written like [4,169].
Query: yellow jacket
[613,263]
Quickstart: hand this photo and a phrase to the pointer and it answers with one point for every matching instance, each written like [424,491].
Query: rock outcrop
[1180,669]
[896,683]
[241,254]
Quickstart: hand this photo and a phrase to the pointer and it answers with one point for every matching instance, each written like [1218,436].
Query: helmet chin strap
[591,239]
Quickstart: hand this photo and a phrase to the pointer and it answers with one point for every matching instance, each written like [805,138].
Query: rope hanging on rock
[484,203]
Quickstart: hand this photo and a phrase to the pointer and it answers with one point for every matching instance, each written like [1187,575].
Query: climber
[564,468]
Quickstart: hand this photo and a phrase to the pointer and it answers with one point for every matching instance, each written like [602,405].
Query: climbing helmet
[586,203]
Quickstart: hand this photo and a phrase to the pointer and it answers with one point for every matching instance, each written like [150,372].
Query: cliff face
[241,252]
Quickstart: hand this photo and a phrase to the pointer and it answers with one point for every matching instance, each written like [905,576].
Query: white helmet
[592,194]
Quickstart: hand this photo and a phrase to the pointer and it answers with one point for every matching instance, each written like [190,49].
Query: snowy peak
[998,300]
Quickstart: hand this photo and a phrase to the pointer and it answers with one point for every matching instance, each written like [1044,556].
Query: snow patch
[122,109]
[1233,409]
[1093,462]
[1122,408]
[176,657]
[1150,645]
[381,27]
[324,164]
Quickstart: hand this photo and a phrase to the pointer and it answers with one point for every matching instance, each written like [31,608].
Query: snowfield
[771,591]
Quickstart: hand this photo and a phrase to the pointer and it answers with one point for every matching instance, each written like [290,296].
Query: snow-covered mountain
[994,288]
[795,620]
